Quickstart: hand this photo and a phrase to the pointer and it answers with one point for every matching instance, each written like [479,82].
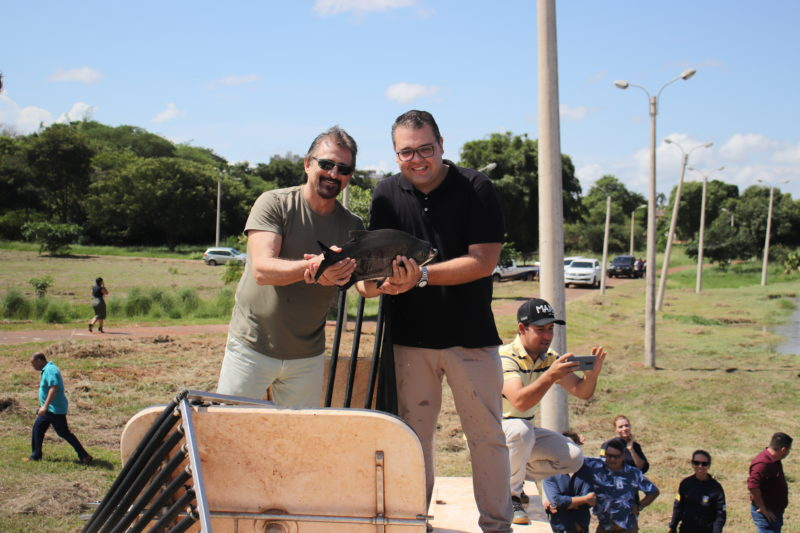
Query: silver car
[220,256]
[583,271]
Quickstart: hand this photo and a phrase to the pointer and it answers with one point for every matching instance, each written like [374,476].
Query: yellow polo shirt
[518,364]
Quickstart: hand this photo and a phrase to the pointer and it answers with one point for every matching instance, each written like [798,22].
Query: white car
[220,256]
[582,271]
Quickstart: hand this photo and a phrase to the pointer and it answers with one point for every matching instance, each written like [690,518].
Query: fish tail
[330,257]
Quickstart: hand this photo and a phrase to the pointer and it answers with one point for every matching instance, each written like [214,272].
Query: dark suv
[624,265]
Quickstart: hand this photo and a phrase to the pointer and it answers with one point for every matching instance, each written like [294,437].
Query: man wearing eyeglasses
[442,323]
[277,332]
[617,486]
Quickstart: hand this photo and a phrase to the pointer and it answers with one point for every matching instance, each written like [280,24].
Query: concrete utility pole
[551,209]
[766,237]
[674,222]
[219,202]
[633,225]
[605,241]
[701,245]
[650,292]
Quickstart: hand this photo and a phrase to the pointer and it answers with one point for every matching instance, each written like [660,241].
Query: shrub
[137,303]
[57,313]
[15,305]
[52,238]
[40,285]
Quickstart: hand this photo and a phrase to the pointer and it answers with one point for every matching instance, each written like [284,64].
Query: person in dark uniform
[700,502]
[99,292]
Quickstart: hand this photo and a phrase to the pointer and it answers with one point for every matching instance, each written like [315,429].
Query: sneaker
[520,516]
[31,459]
[86,460]
[524,497]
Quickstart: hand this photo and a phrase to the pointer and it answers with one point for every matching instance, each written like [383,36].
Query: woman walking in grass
[99,291]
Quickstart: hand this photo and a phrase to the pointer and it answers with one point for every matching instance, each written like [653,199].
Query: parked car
[583,271]
[220,256]
[568,260]
[624,265]
[511,270]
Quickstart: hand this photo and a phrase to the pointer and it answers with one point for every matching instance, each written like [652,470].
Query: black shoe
[520,515]
[524,497]
[86,460]
[90,328]
[100,329]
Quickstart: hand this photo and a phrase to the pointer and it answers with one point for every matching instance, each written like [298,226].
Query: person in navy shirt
[52,411]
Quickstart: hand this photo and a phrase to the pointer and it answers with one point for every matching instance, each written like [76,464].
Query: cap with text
[537,312]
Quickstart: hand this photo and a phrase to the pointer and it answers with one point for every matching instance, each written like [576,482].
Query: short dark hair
[702,452]
[98,281]
[416,119]
[39,356]
[617,443]
[780,440]
[339,137]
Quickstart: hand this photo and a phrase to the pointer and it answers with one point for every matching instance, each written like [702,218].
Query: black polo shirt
[463,210]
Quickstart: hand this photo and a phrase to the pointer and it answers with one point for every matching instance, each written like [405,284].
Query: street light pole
[605,241]
[650,293]
[219,202]
[633,225]
[674,222]
[766,237]
[700,246]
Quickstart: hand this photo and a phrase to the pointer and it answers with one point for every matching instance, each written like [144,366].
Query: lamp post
[488,168]
[650,293]
[699,284]
[605,241]
[662,283]
[766,238]
[633,225]
[219,202]
[730,212]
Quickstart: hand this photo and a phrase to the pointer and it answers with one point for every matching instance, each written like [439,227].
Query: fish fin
[356,233]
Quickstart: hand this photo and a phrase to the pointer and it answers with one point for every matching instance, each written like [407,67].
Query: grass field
[718,385]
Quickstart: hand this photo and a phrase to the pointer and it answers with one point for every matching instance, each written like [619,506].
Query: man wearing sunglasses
[617,486]
[442,323]
[277,332]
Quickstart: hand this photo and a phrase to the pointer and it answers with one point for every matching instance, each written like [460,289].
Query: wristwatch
[423,280]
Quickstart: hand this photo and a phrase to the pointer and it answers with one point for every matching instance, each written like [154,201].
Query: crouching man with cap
[530,368]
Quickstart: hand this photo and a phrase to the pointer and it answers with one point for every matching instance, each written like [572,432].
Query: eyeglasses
[327,165]
[423,151]
[701,463]
[613,455]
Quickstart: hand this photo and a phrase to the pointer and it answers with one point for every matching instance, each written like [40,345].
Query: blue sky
[253,79]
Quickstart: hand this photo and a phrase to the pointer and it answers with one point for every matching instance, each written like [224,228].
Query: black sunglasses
[701,463]
[613,455]
[327,165]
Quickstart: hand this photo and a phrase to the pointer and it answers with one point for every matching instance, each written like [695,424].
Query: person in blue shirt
[52,411]
[569,498]
[617,486]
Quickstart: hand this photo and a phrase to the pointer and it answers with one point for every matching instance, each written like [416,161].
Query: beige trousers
[475,378]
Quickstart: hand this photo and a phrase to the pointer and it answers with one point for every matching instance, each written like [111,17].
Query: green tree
[52,237]
[718,195]
[516,179]
[60,163]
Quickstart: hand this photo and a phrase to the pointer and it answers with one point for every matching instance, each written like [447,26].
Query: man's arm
[263,252]
[648,499]
[584,387]
[525,397]
[758,500]
[51,394]
[588,499]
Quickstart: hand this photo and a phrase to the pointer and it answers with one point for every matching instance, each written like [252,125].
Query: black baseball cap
[537,312]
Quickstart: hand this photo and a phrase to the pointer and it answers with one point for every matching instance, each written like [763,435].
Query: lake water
[791,331]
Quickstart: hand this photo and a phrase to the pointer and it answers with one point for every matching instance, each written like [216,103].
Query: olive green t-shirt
[288,322]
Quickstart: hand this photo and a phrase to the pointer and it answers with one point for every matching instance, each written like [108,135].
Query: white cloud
[22,120]
[325,8]
[405,93]
[743,146]
[82,75]
[170,113]
[78,111]
[235,80]
[574,113]
[790,155]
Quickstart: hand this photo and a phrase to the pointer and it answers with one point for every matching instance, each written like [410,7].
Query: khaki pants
[475,378]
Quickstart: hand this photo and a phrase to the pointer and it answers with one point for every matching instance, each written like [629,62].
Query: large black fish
[374,252]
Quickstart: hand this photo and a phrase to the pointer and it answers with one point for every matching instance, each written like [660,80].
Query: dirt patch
[77,350]
[54,499]
[10,405]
